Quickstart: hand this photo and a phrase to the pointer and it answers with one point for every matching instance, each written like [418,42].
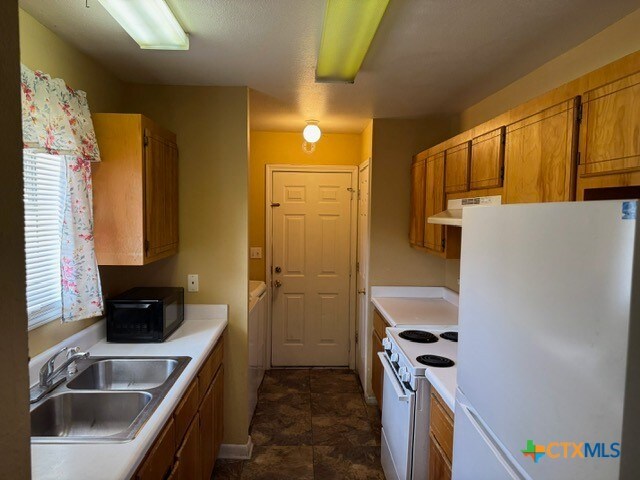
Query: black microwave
[144,314]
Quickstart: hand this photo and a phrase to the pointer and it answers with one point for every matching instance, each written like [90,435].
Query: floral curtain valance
[56,120]
[55,117]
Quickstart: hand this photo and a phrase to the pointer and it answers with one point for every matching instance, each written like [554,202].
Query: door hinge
[443,243]
[357,266]
[579,114]
[502,173]
[357,338]
[146,141]
[146,246]
[578,158]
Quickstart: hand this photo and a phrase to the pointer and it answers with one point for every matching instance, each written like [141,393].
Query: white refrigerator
[545,308]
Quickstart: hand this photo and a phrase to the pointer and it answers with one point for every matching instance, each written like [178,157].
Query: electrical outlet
[255,252]
[193,283]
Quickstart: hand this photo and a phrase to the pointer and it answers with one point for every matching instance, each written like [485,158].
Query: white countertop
[428,307]
[416,305]
[112,461]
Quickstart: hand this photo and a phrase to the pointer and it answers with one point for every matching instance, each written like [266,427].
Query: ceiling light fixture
[348,29]
[151,23]
[312,132]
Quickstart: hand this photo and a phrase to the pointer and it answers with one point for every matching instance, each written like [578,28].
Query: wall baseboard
[370,399]
[233,451]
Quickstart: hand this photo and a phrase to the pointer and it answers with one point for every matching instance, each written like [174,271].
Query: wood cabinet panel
[610,130]
[159,462]
[434,201]
[377,371]
[439,466]
[442,426]
[487,160]
[185,411]
[206,434]
[218,411]
[161,195]
[456,172]
[540,155]
[135,190]
[188,456]
[379,324]
[416,226]
[209,369]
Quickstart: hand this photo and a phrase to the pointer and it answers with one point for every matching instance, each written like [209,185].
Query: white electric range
[409,352]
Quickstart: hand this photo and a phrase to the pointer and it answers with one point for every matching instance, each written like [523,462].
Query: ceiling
[428,57]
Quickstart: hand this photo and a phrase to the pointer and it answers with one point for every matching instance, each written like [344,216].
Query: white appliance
[257,337]
[452,216]
[406,399]
[545,307]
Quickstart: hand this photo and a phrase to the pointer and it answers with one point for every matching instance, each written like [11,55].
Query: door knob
[362,292]
[277,283]
[278,269]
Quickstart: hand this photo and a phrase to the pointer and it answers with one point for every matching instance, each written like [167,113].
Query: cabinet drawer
[439,465]
[379,324]
[209,369]
[186,410]
[189,455]
[442,426]
[160,459]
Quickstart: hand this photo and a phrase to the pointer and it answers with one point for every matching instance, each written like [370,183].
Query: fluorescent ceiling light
[149,22]
[349,27]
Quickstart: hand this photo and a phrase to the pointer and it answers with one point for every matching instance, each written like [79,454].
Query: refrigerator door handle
[515,471]
[402,395]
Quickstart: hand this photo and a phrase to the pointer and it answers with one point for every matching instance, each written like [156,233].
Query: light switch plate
[255,252]
[193,283]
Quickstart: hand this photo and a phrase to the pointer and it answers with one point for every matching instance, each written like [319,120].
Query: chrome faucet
[48,373]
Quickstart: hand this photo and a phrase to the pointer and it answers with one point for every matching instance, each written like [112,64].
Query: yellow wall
[41,49]
[211,124]
[14,400]
[614,42]
[286,148]
[392,260]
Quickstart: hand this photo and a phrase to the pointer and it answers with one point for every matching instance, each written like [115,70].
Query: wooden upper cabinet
[416,226]
[434,201]
[135,190]
[610,129]
[540,155]
[487,160]
[456,176]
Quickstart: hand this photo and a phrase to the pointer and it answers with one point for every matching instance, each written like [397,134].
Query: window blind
[44,187]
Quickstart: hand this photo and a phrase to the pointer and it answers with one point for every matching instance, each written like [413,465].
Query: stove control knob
[386,343]
[406,376]
[401,372]
[395,357]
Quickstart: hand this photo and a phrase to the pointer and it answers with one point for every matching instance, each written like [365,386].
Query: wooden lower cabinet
[440,439]
[188,445]
[377,371]
[439,466]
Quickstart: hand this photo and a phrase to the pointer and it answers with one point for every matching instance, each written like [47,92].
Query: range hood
[452,216]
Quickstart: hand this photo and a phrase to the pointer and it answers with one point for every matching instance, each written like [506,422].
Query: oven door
[398,418]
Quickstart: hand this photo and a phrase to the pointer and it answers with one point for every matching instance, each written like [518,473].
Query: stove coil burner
[418,336]
[435,361]
[453,336]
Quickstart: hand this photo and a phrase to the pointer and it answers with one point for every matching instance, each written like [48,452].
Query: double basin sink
[108,400]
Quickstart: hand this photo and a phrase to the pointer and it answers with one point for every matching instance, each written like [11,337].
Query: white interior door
[363,271]
[311,238]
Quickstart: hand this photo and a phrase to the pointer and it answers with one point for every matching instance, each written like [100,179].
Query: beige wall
[211,124]
[392,260]
[614,42]
[366,144]
[14,399]
[41,49]
[286,148]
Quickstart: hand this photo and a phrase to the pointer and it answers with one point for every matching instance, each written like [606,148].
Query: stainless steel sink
[88,415]
[124,374]
[108,400]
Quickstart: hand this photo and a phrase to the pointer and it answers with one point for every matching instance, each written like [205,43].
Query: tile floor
[310,424]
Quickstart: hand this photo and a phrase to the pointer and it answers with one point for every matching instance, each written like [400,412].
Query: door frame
[353,243]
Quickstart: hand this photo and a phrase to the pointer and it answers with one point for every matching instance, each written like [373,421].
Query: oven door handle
[401,394]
